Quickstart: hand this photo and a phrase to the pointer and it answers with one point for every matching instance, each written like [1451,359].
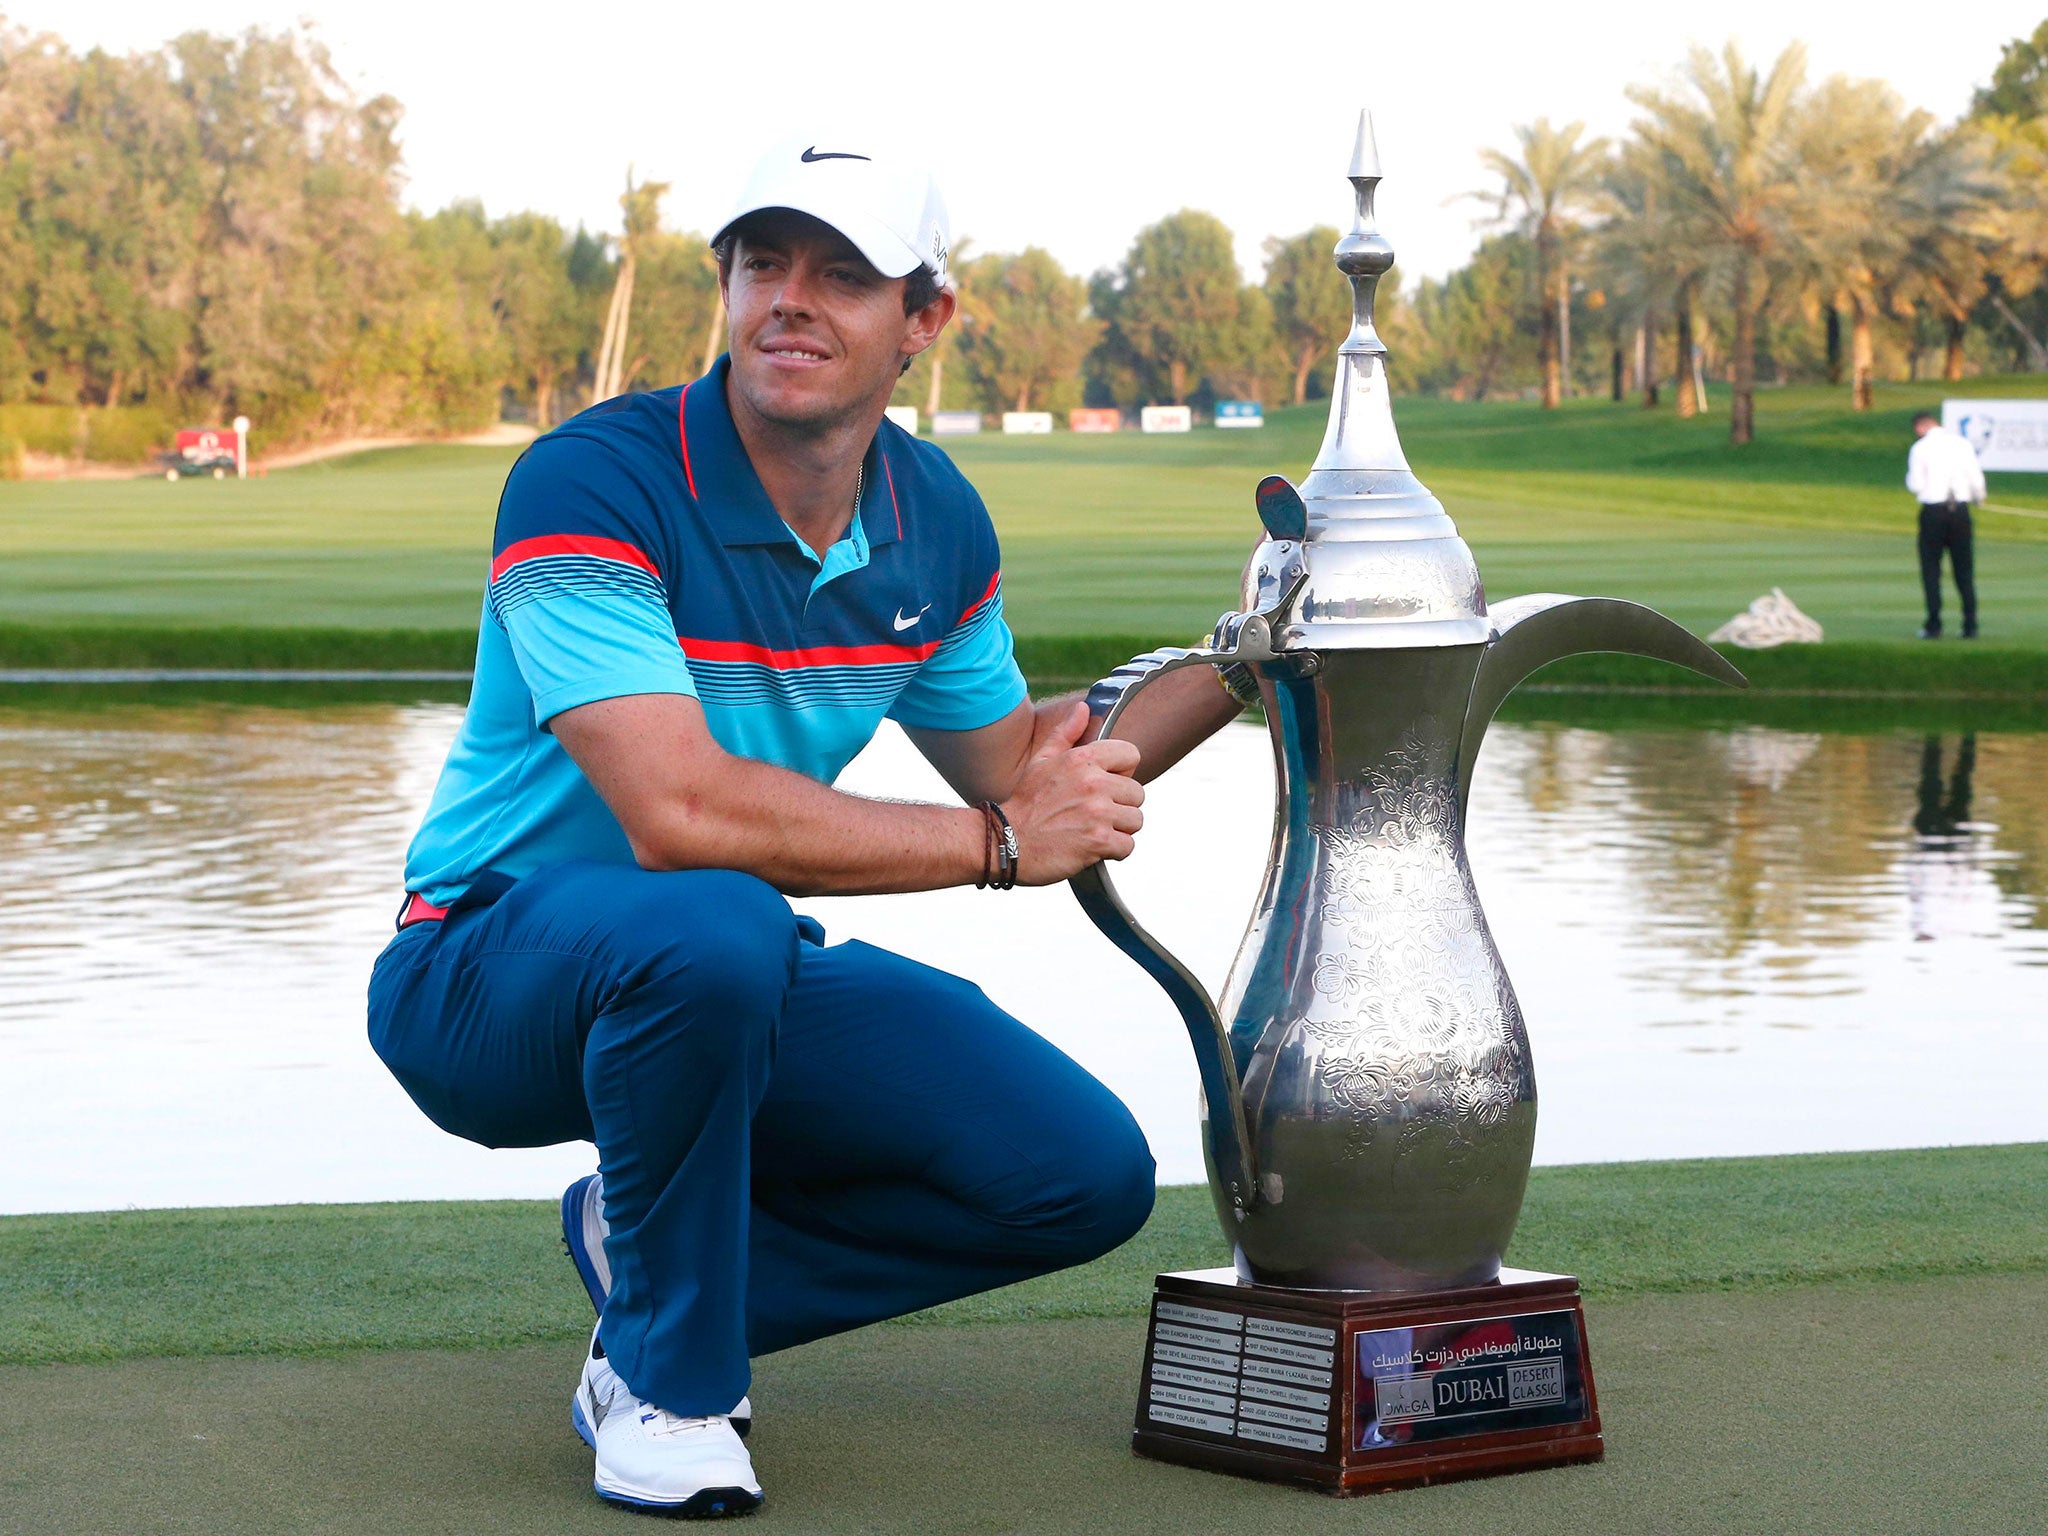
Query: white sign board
[2007,434]
[905,416]
[955,423]
[1166,418]
[1027,421]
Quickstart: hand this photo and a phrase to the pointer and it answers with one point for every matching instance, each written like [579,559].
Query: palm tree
[716,332]
[1649,267]
[1953,251]
[1895,215]
[2001,254]
[1851,141]
[959,262]
[1543,195]
[642,208]
[1726,143]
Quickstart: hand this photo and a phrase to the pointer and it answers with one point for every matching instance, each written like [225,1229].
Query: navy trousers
[795,1139]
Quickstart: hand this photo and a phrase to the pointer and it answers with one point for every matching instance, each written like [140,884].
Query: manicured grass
[59,646]
[1780,1345]
[321,1279]
[1851,685]
[1767,1335]
[1118,535]
[1882,1409]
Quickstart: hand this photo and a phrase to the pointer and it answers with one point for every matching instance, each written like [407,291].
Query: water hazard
[1725,940]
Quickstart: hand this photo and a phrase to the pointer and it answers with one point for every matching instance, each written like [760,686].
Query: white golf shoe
[654,1460]
[584,1230]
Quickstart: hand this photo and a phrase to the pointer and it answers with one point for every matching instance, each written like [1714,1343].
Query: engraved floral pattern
[1411,1022]
[1340,977]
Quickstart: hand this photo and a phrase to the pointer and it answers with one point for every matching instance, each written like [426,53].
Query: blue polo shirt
[637,552]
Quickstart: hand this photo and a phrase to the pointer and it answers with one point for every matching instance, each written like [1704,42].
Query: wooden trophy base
[1358,1391]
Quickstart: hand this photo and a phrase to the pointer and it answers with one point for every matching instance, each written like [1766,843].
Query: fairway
[1121,535]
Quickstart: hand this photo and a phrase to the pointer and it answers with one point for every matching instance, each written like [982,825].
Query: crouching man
[702,603]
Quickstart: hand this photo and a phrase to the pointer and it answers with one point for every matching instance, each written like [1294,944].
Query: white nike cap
[890,210]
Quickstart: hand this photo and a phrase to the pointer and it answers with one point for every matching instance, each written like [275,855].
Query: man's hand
[1074,805]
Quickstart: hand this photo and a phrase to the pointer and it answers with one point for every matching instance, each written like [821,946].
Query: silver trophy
[1368,1102]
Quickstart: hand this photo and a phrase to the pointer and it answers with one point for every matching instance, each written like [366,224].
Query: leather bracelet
[998,849]
[1006,848]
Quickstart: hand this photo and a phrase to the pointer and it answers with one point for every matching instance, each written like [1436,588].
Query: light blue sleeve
[586,634]
[970,681]
[575,584]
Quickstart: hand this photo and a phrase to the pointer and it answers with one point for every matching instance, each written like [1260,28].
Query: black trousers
[1947,527]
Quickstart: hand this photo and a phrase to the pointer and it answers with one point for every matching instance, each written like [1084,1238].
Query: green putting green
[1781,1344]
[323,1279]
[1874,1408]
[1795,1344]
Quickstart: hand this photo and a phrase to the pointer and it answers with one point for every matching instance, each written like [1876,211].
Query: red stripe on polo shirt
[809,656]
[894,505]
[571,544]
[683,438]
[981,602]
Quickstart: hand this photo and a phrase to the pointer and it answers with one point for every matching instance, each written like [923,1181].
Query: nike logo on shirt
[813,155]
[902,623]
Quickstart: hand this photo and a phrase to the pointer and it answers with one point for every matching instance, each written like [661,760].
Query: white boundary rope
[1987,506]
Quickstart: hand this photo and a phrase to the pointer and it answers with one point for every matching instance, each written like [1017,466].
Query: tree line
[217,227]
[1755,224]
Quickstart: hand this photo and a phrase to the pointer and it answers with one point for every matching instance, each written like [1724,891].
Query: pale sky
[1056,124]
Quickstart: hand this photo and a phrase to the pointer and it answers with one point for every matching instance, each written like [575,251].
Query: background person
[1944,476]
[702,604]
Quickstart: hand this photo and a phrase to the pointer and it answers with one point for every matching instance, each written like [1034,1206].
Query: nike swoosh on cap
[812,155]
[903,623]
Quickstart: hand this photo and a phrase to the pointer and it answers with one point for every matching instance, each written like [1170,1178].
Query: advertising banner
[2007,434]
[1095,418]
[1166,418]
[955,423]
[905,416]
[1027,422]
[208,445]
[1239,413]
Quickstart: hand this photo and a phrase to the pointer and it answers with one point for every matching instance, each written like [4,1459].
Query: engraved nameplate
[1277,1349]
[1201,1338]
[1256,1380]
[1200,1359]
[1279,1370]
[1210,1422]
[1301,1333]
[1273,1434]
[1199,1317]
[1273,1392]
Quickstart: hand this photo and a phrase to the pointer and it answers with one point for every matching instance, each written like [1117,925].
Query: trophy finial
[1386,565]
[1361,433]
[1365,154]
[1364,255]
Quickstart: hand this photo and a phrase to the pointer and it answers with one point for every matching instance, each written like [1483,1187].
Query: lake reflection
[1725,941]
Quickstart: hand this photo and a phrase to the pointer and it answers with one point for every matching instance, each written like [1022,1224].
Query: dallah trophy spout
[1368,1098]
[1533,631]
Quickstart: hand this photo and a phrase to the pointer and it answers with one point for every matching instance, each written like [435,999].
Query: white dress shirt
[1942,467]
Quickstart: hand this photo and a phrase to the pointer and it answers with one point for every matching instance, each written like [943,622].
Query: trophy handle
[1229,1143]
[1533,631]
